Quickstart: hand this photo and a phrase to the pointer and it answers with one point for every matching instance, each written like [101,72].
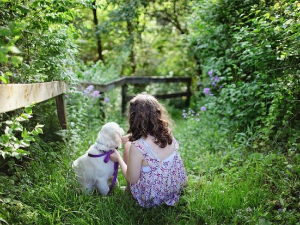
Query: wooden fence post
[61,112]
[124,97]
[188,97]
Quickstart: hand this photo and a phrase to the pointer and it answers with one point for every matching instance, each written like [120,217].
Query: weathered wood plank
[165,96]
[146,80]
[14,96]
[124,97]
[61,112]
[103,87]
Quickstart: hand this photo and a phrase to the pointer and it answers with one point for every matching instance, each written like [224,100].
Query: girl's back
[162,174]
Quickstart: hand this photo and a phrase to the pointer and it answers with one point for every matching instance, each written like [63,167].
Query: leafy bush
[16,138]
[253,47]
[37,41]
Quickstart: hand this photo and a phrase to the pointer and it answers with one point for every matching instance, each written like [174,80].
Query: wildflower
[184,114]
[106,99]
[197,114]
[95,94]
[67,96]
[203,108]
[217,79]
[221,86]
[197,119]
[88,90]
[248,209]
[206,91]
[213,83]
[210,73]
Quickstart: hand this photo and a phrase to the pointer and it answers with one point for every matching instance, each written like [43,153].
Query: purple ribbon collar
[106,159]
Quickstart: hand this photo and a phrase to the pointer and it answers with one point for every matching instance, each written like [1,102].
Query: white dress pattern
[161,181]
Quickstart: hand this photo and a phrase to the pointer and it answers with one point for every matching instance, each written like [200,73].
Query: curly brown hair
[148,116]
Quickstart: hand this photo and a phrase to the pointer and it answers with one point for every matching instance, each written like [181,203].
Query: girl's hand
[115,157]
[125,138]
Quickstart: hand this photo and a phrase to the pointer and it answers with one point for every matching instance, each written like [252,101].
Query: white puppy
[90,168]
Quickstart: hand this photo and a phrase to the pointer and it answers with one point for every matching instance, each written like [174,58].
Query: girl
[152,164]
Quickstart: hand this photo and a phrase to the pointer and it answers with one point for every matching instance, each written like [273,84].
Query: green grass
[226,185]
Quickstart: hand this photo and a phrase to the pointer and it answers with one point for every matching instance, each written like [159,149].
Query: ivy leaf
[16,60]
[14,49]
[5,138]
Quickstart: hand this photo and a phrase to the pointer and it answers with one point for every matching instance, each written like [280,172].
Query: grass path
[226,185]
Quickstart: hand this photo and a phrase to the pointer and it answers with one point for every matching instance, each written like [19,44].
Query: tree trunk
[98,37]
[130,31]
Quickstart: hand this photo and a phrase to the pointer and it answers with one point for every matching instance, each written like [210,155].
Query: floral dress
[161,181]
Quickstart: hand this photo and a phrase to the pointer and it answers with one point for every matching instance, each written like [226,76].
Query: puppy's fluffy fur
[94,172]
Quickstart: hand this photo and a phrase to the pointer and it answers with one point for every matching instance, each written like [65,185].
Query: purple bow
[106,159]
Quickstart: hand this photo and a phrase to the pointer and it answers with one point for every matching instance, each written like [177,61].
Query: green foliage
[232,182]
[253,47]
[144,38]
[16,138]
[37,41]
[85,110]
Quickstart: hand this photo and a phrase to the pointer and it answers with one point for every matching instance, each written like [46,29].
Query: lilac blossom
[184,114]
[88,89]
[206,91]
[106,99]
[95,94]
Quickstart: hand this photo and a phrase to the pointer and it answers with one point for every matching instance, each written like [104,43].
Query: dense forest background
[251,49]
[243,57]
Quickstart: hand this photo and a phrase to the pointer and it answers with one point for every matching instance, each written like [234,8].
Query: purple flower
[184,114]
[221,86]
[197,119]
[106,99]
[206,91]
[213,83]
[95,94]
[210,73]
[67,96]
[203,108]
[217,79]
[88,89]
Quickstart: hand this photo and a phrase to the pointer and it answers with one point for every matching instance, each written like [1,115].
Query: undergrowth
[228,183]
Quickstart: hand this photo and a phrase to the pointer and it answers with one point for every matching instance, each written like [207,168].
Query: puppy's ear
[117,137]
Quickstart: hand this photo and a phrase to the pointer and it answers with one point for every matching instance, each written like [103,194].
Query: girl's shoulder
[138,144]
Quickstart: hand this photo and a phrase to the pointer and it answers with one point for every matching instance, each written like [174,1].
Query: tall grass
[226,184]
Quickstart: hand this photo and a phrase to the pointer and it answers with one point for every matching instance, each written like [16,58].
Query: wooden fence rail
[14,96]
[147,80]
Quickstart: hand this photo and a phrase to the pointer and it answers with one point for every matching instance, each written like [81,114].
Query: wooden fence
[14,96]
